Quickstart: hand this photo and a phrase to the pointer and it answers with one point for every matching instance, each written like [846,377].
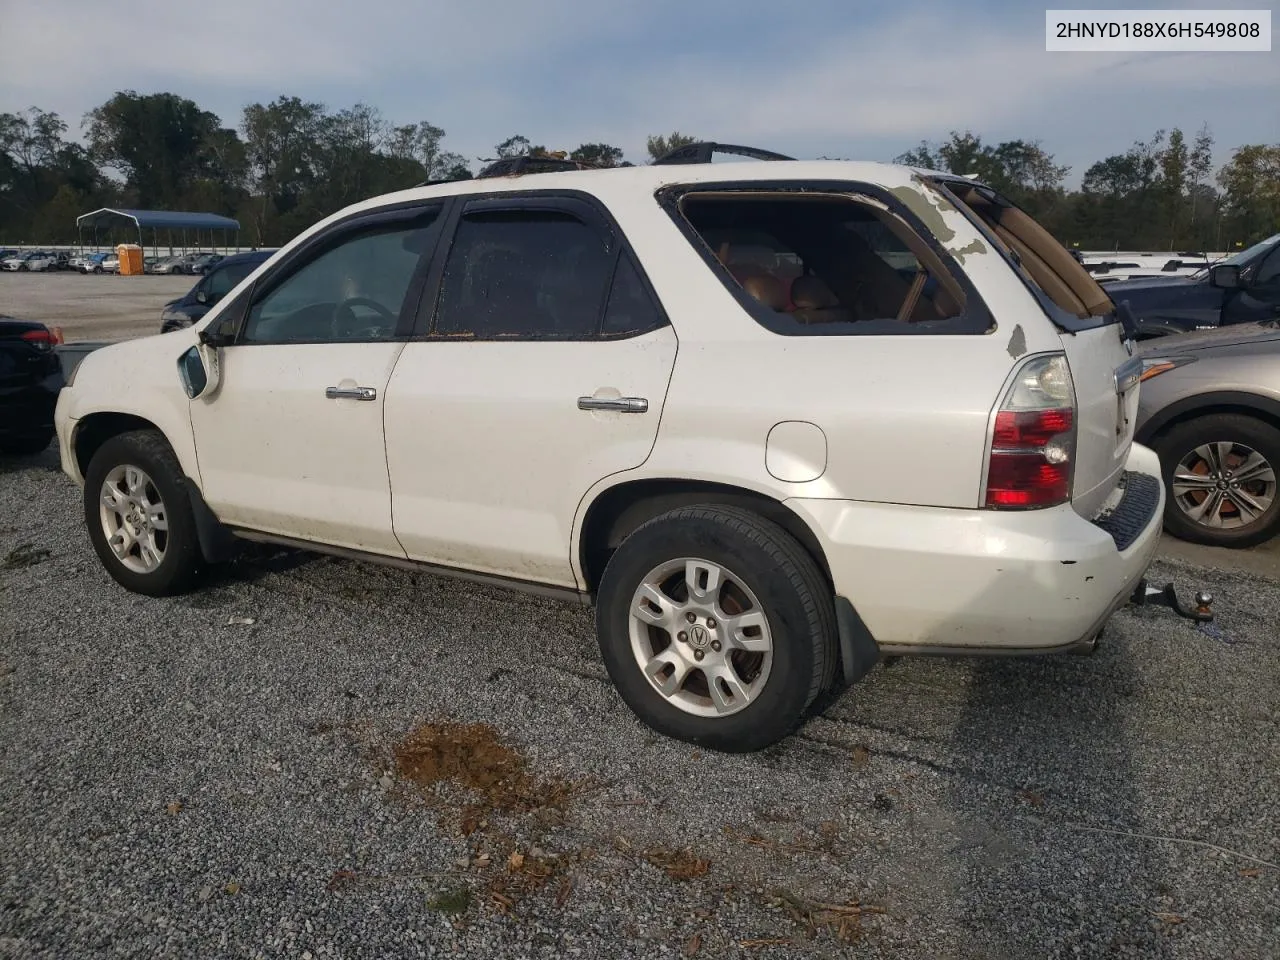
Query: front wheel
[139,515]
[716,627]
[1220,477]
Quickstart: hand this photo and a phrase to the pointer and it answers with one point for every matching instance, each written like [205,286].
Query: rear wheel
[716,627]
[1220,477]
[139,515]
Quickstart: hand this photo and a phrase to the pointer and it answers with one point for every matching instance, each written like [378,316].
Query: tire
[178,550]
[27,446]
[1189,446]
[767,569]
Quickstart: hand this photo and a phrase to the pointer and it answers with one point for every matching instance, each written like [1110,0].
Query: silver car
[1210,407]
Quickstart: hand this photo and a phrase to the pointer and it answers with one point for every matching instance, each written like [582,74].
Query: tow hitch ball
[1146,595]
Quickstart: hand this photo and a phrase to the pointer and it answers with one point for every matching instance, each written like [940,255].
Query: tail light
[44,339]
[1033,443]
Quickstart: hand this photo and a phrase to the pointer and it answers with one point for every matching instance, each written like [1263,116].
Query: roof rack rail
[702,153]
[533,163]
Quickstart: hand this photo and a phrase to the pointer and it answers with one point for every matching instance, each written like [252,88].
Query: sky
[808,78]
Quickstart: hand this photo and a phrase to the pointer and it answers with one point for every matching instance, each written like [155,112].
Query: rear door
[1098,350]
[542,367]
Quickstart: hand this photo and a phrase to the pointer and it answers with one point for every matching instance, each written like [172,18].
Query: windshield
[1244,256]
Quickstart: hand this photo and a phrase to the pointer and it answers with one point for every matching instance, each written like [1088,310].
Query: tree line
[291,162]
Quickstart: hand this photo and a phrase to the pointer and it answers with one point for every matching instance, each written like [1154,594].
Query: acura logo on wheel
[698,636]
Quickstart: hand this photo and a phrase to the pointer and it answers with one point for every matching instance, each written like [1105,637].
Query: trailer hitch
[1145,595]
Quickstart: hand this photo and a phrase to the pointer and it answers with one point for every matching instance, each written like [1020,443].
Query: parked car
[1210,407]
[221,279]
[828,470]
[176,264]
[201,263]
[93,262]
[111,263]
[1243,288]
[30,378]
[33,261]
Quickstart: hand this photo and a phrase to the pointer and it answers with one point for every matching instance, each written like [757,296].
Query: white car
[33,262]
[876,431]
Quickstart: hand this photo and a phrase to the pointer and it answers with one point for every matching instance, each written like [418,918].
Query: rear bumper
[28,410]
[929,580]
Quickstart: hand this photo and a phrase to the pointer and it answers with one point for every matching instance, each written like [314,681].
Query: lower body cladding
[929,580]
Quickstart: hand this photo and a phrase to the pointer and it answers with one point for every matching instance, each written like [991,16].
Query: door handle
[350,393]
[616,404]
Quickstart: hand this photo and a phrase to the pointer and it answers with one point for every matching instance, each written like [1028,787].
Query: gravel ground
[92,306]
[175,781]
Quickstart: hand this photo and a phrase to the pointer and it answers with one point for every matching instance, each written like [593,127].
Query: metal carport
[157,220]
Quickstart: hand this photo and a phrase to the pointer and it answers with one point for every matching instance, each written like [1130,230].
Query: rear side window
[829,264]
[521,273]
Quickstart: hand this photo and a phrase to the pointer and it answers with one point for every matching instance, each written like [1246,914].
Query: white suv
[774,419]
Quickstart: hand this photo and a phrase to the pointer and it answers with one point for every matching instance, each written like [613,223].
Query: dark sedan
[30,378]
[1244,288]
[1209,406]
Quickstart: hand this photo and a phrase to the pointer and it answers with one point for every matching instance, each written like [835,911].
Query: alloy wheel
[1224,485]
[701,637]
[134,519]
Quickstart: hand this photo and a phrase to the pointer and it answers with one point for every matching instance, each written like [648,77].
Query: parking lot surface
[267,768]
[92,306]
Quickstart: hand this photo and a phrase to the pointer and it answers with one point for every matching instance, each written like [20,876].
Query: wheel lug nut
[715,645]
[711,624]
[691,617]
[698,654]
[682,637]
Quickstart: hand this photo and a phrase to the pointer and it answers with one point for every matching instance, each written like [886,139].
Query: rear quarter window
[830,263]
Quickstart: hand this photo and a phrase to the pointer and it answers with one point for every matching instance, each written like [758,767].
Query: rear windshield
[1067,289]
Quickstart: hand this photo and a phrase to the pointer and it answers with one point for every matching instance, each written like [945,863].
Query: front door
[543,369]
[291,442]
[1259,297]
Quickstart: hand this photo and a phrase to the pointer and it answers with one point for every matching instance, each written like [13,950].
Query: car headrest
[810,293]
[768,290]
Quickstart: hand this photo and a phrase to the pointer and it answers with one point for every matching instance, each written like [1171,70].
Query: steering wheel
[345,323]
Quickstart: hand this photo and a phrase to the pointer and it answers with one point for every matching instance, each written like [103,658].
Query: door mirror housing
[199,371]
[1225,276]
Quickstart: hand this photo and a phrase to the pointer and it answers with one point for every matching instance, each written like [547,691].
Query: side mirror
[198,370]
[202,297]
[1225,275]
